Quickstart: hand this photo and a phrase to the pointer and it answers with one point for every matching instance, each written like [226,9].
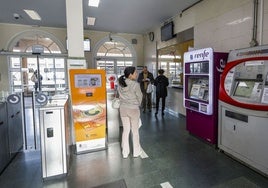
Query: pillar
[75,34]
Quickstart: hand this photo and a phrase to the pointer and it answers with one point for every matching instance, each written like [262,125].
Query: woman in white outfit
[130,100]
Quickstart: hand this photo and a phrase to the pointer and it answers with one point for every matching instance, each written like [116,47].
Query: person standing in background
[37,79]
[130,100]
[146,77]
[161,82]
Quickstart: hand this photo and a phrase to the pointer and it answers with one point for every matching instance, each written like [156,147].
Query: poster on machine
[88,94]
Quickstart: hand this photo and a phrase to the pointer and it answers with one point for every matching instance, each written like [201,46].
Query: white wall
[214,25]
[228,28]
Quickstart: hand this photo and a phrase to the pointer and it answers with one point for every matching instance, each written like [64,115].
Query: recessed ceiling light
[34,15]
[93,3]
[91,20]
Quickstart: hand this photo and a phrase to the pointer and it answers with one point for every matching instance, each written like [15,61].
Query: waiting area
[174,158]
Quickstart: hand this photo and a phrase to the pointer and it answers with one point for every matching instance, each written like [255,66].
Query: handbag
[34,78]
[149,88]
[116,100]
[116,103]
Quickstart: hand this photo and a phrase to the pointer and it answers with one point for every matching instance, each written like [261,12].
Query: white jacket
[130,96]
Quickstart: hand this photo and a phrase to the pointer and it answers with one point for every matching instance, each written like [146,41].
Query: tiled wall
[222,25]
[227,31]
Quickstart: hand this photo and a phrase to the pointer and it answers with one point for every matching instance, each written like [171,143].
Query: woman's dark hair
[127,72]
[161,71]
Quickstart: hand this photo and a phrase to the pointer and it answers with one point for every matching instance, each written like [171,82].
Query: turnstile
[4,151]
[55,138]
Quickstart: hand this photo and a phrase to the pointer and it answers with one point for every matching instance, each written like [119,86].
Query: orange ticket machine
[88,95]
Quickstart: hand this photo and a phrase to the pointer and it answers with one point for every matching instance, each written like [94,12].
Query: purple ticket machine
[202,69]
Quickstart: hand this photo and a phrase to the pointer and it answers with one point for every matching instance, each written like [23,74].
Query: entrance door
[53,74]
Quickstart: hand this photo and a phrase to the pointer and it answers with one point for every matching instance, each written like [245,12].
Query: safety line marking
[166,185]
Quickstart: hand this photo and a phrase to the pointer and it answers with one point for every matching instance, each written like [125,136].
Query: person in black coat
[161,82]
[144,78]
[37,79]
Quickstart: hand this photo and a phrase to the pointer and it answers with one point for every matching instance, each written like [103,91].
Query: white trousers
[130,120]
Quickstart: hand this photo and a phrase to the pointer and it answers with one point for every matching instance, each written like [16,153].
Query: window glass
[114,56]
[25,44]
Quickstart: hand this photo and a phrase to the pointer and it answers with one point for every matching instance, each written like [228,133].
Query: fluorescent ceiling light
[91,20]
[34,15]
[93,3]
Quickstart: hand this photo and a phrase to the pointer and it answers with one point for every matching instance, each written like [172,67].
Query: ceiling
[117,16]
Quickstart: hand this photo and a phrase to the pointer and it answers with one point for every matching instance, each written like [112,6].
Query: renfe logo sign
[222,66]
[199,55]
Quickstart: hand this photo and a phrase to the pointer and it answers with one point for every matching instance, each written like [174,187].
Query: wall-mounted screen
[87,45]
[167,31]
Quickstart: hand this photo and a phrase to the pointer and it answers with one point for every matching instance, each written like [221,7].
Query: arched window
[25,45]
[23,42]
[50,63]
[113,54]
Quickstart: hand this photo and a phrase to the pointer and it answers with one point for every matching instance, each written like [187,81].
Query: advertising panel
[88,94]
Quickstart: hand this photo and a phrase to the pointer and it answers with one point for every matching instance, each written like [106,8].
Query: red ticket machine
[243,107]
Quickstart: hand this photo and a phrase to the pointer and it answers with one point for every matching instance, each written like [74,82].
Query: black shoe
[155,113]
[150,110]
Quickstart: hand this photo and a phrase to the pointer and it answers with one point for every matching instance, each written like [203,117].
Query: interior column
[75,34]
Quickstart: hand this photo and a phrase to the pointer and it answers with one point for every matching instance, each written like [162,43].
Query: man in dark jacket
[161,82]
[144,78]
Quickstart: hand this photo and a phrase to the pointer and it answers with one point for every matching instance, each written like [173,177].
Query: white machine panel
[55,138]
[243,107]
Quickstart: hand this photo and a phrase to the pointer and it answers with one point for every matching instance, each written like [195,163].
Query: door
[52,81]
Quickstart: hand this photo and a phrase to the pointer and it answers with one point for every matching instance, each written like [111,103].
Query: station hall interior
[62,131]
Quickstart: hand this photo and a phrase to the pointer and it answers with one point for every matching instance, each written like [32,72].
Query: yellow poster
[88,94]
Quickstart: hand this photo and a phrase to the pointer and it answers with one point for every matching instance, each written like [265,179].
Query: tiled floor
[176,159]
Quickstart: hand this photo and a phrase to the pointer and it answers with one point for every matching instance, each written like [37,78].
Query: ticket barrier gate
[55,138]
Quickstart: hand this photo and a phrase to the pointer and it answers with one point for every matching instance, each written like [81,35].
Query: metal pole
[34,123]
[38,74]
[24,122]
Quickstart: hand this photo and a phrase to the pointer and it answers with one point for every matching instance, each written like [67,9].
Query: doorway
[21,69]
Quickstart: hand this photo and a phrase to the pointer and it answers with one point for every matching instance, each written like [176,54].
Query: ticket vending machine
[202,69]
[243,107]
[88,95]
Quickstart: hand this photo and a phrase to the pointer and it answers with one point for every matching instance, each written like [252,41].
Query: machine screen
[87,80]
[244,89]
[199,89]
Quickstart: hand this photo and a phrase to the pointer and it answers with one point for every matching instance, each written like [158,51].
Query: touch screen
[87,80]
[244,89]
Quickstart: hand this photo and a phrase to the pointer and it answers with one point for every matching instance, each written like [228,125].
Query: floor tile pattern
[174,156]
